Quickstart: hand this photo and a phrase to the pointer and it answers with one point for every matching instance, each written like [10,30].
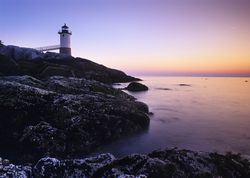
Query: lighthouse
[65,34]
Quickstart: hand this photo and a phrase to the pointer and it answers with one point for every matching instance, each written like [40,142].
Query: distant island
[55,108]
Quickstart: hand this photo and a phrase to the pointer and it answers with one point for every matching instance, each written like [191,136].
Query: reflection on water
[206,114]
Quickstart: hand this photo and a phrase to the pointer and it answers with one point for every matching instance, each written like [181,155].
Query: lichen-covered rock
[43,138]
[175,163]
[51,167]
[48,167]
[63,117]
[168,163]
[135,86]
[8,169]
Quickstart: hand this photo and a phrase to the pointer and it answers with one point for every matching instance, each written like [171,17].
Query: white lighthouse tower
[65,40]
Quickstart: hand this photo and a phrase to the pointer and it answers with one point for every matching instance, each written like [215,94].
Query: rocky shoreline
[57,105]
[54,108]
[168,163]
[63,117]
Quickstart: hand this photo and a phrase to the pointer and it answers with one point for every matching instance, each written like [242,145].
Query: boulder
[169,163]
[43,138]
[135,86]
[8,169]
[176,163]
[63,117]
[52,167]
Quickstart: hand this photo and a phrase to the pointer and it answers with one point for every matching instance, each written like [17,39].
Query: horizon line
[189,74]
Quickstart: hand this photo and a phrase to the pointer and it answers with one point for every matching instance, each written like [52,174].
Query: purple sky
[139,36]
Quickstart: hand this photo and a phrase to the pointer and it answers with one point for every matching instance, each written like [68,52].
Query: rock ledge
[168,163]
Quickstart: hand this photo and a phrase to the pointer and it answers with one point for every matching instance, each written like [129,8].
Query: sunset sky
[160,37]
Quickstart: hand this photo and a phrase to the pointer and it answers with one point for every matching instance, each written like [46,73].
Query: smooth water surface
[207,114]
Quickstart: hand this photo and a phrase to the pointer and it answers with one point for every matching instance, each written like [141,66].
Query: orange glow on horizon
[212,67]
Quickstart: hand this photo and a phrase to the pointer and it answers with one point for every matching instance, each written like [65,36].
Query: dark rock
[179,163]
[52,167]
[7,65]
[184,85]
[163,88]
[63,117]
[150,113]
[44,139]
[169,163]
[14,171]
[34,63]
[135,86]
[56,71]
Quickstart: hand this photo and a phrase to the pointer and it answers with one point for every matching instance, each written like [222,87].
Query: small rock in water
[150,113]
[163,88]
[135,86]
[184,85]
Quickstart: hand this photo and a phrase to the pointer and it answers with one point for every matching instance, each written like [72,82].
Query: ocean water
[206,114]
